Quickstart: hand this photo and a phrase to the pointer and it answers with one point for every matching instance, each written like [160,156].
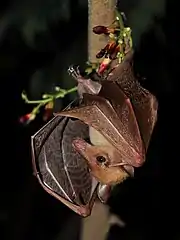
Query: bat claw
[104,192]
[74,72]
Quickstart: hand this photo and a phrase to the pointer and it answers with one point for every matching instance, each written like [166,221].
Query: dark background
[37,43]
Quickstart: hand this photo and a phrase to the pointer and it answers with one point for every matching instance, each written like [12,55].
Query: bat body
[117,115]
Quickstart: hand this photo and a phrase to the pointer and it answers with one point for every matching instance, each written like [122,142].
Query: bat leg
[103,192]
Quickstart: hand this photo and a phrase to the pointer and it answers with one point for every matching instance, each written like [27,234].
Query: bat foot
[74,72]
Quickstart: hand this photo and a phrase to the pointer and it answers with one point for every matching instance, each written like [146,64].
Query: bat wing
[145,105]
[126,118]
[105,116]
[61,171]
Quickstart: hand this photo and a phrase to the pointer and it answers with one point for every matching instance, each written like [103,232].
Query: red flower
[110,52]
[103,30]
[101,53]
[100,30]
[105,51]
[27,118]
[104,65]
[114,51]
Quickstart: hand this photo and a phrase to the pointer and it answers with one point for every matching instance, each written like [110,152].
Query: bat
[121,116]
[117,116]
[60,170]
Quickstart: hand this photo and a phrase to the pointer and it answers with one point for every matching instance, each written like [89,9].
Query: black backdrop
[149,203]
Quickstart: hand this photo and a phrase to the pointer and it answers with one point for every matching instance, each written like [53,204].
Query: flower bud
[27,118]
[100,30]
[103,66]
[101,53]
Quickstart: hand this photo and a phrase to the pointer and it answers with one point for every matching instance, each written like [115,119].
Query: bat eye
[101,159]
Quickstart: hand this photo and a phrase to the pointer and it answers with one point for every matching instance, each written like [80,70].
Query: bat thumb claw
[104,192]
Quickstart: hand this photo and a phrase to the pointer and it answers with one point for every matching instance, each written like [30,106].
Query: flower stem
[120,20]
[49,98]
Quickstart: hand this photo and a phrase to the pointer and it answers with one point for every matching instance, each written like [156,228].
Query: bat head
[100,157]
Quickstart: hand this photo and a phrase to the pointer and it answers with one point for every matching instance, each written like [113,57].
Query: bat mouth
[125,167]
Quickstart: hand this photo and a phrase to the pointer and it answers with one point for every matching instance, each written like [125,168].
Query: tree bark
[100,12]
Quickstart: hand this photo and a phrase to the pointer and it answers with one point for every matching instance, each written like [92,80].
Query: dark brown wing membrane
[61,171]
[127,122]
[145,105]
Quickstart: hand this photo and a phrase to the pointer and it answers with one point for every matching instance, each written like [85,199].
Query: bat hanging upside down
[118,116]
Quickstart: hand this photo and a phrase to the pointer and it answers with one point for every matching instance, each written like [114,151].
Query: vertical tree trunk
[100,12]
